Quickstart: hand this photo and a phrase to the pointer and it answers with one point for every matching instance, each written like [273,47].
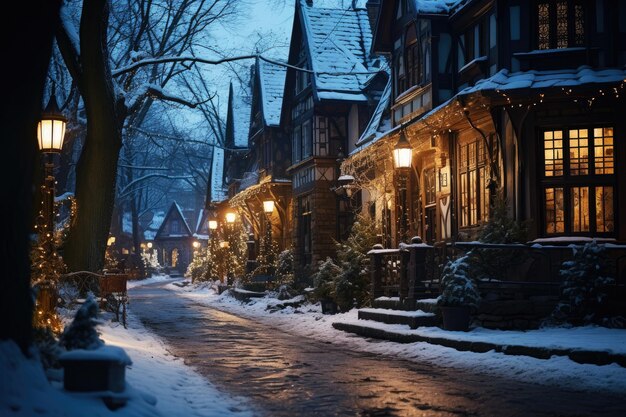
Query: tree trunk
[33,24]
[96,170]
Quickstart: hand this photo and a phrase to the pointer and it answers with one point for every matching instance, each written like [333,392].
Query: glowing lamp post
[402,156]
[268,209]
[231,217]
[212,224]
[50,135]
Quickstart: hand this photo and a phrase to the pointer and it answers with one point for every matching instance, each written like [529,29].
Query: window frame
[571,180]
[469,179]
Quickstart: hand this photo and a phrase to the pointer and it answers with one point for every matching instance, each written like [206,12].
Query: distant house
[174,240]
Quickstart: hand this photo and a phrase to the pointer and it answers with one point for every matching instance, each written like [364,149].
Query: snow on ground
[558,370]
[152,279]
[179,389]
[158,384]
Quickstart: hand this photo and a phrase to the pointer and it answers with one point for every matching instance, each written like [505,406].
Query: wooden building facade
[521,98]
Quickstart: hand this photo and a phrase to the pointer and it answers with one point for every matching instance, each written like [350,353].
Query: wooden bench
[110,288]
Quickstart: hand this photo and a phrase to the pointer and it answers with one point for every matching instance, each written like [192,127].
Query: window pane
[484,193]
[580,209]
[579,25]
[553,156]
[543,11]
[555,221]
[561,24]
[473,204]
[603,150]
[604,209]
[464,201]
[579,152]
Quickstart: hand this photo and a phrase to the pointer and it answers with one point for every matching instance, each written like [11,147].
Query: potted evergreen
[459,295]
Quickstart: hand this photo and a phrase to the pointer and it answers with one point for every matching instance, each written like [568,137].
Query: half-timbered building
[327,103]
[522,98]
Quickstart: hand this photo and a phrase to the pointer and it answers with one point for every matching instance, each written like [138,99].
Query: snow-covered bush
[458,287]
[82,333]
[285,268]
[323,279]
[585,289]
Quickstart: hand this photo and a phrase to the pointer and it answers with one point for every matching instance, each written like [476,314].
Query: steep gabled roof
[380,122]
[237,118]
[174,212]
[338,41]
[272,85]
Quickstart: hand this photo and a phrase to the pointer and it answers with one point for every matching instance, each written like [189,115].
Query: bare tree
[139,29]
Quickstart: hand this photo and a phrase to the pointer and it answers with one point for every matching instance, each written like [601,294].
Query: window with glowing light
[473,181]
[560,24]
[578,181]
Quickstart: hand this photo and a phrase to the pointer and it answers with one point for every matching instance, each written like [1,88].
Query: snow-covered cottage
[326,106]
[173,241]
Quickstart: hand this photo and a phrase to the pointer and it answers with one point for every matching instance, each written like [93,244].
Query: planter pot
[329,306]
[456,318]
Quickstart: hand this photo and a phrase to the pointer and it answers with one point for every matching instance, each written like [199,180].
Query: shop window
[578,176]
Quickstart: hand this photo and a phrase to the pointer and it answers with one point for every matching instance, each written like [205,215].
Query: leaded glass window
[560,24]
[579,189]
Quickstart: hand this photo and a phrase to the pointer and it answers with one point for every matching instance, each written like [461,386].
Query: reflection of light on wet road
[286,375]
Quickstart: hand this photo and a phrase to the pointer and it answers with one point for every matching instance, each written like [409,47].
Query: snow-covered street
[287,363]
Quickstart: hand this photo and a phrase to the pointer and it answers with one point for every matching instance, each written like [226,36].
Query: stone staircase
[389,310]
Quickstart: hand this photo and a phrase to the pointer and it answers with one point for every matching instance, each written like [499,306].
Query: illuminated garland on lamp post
[402,156]
[47,265]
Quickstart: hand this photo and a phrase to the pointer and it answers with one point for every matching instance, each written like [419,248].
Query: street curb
[579,356]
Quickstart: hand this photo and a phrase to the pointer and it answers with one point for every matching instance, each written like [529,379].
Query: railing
[517,271]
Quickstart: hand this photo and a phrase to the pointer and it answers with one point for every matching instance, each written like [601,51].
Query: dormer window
[560,24]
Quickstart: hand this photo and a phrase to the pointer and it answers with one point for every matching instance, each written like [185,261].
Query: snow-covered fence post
[417,268]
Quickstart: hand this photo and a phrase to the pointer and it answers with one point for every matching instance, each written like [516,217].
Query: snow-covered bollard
[102,369]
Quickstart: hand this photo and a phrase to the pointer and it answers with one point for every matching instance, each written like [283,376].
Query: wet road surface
[287,375]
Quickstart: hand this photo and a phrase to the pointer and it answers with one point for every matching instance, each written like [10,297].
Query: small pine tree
[585,289]
[323,279]
[285,268]
[352,284]
[459,289]
[232,262]
[267,259]
[82,333]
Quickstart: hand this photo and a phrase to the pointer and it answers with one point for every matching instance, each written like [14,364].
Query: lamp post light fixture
[212,224]
[402,156]
[231,217]
[50,136]
[268,208]
[149,245]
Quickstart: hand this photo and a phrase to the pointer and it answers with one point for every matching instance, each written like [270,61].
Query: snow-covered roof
[504,81]
[436,6]
[339,41]
[380,122]
[272,83]
[241,117]
[565,78]
[175,208]
[217,173]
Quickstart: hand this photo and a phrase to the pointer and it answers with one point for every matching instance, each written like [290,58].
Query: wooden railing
[521,270]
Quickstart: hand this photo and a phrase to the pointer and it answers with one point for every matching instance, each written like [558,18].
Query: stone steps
[413,319]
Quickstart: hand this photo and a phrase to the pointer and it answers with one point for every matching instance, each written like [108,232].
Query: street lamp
[212,224]
[230,217]
[402,156]
[50,135]
[268,208]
